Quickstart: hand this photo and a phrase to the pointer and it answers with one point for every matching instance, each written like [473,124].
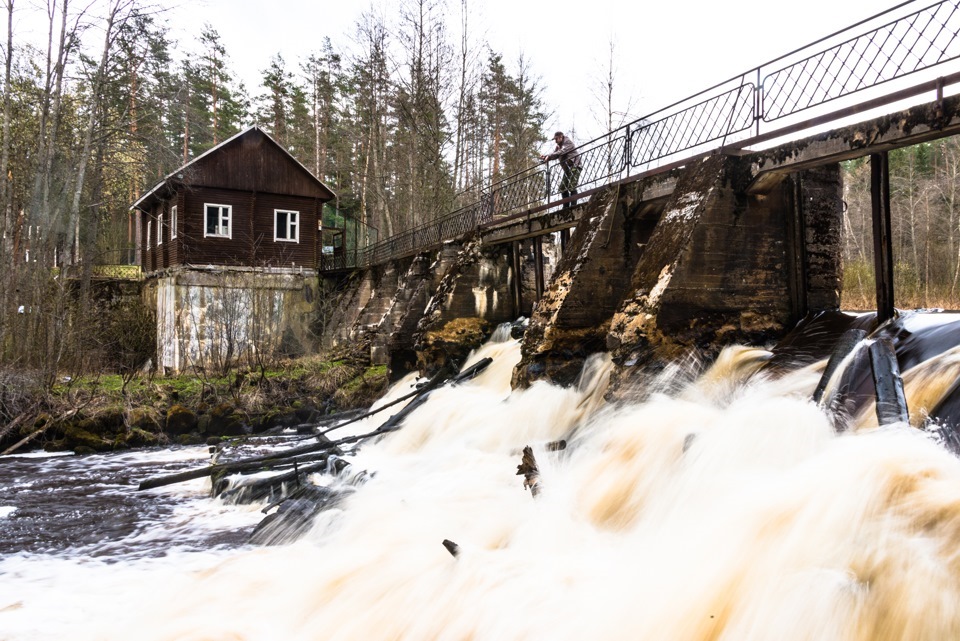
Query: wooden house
[246,202]
[230,248]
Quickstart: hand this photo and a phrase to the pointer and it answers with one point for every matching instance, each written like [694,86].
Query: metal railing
[885,59]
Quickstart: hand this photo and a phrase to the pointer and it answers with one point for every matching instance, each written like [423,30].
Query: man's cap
[559,133]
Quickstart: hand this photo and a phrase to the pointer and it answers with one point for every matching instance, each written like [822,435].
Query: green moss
[362,390]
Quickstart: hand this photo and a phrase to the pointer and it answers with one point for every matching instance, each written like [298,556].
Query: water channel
[714,503]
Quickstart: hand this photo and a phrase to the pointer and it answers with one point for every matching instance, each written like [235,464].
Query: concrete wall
[389,309]
[712,263]
[215,318]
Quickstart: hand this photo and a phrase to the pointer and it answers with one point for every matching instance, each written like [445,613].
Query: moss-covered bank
[105,413]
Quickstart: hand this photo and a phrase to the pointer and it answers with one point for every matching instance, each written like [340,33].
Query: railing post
[758,103]
[546,182]
[627,148]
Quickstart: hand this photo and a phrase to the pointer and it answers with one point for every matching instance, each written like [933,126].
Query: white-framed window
[149,229]
[173,222]
[217,220]
[159,229]
[286,226]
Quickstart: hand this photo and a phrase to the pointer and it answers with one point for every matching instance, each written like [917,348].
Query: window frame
[229,219]
[149,230]
[159,229]
[296,226]
[173,222]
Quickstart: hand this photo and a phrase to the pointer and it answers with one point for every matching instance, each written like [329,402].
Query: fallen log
[280,464]
[891,400]
[419,395]
[256,489]
[845,344]
[421,388]
[250,491]
[391,424]
[257,462]
[40,430]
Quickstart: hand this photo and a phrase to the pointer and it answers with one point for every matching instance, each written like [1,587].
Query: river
[723,506]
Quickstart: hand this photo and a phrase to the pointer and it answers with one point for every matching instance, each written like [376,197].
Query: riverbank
[105,412]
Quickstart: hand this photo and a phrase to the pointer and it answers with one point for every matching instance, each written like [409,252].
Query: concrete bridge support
[474,295]
[571,320]
[726,266]
[345,298]
[710,265]
[433,307]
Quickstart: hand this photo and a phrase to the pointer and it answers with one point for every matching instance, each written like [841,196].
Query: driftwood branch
[530,471]
[37,432]
[452,548]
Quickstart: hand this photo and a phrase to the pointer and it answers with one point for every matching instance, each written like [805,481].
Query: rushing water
[724,506]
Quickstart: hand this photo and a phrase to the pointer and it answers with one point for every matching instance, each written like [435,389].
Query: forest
[110,103]
[398,117]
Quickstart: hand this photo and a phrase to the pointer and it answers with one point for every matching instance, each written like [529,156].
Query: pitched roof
[196,163]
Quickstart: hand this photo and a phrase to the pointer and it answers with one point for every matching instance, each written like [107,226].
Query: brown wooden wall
[252,162]
[169,252]
[252,241]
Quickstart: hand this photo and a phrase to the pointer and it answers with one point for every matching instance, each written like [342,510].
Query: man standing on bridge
[571,164]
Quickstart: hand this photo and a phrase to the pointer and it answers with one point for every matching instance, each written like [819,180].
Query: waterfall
[724,505]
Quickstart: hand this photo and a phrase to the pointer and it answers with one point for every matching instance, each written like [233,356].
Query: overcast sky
[664,49]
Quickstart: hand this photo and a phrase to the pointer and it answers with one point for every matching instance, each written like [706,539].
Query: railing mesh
[915,42]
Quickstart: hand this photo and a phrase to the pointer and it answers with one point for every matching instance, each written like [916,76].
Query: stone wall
[473,296]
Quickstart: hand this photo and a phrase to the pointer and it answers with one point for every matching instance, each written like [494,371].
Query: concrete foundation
[212,319]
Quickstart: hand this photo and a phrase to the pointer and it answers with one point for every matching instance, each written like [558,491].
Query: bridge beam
[929,121]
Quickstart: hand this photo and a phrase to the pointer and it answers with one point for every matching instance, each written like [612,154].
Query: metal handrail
[878,52]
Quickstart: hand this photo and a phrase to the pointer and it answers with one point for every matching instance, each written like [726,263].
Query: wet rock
[74,436]
[145,419]
[226,420]
[307,414]
[190,439]
[451,344]
[180,420]
[137,437]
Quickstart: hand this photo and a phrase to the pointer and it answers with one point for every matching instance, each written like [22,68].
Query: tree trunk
[96,100]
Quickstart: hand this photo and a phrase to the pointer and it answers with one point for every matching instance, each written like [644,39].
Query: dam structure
[717,219]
